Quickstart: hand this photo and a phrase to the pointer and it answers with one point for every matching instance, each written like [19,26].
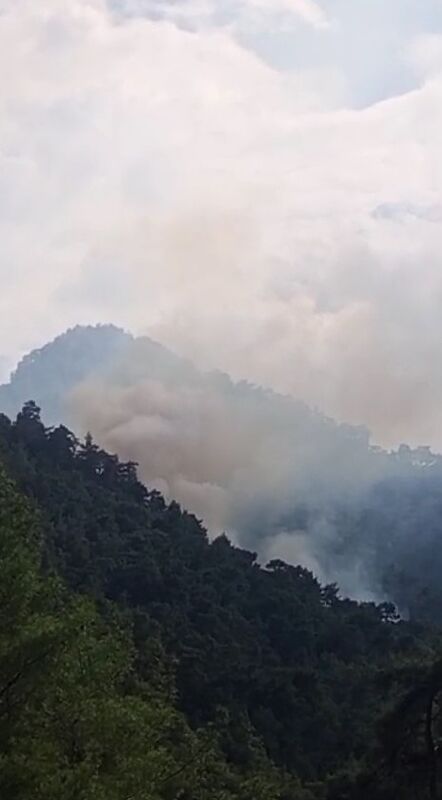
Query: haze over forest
[274,475]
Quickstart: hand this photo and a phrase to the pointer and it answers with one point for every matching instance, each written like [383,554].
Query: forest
[282,479]
[140,660]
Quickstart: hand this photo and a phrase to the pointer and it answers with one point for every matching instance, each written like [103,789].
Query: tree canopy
[140,660]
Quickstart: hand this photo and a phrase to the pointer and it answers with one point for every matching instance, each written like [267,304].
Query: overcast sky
[256,183]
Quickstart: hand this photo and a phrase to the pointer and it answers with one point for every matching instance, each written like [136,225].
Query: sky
[255,183]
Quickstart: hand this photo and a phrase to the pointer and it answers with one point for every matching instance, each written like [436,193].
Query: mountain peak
[49,371]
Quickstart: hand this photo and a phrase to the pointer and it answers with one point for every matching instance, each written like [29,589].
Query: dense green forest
[138,660]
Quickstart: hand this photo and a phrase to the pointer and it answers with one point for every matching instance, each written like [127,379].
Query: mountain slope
[262,651]
[280,478]
[78,719]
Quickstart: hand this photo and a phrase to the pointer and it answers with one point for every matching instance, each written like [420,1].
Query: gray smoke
[263,467]
[279,477]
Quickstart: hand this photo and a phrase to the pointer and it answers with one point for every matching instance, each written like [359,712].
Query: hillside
[79,718]
[281,479]
[265,655]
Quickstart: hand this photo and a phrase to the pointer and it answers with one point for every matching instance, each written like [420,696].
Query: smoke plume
[262,467]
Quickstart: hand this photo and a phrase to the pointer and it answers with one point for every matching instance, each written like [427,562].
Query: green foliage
[139,661]
[76,722]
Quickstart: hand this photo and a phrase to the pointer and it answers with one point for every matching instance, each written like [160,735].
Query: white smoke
[246,461]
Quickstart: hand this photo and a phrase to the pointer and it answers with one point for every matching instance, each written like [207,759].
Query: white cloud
[307,10]
[173,181]
[198,11]
[426,55]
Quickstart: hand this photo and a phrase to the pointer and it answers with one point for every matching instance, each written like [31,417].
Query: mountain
[140,660]
[48,374]
[280,478]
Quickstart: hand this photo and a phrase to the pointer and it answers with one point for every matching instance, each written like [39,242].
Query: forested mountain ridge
[50,372]
[281,479]
[285,674]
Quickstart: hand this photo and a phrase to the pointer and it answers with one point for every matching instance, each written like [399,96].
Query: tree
[76,720]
